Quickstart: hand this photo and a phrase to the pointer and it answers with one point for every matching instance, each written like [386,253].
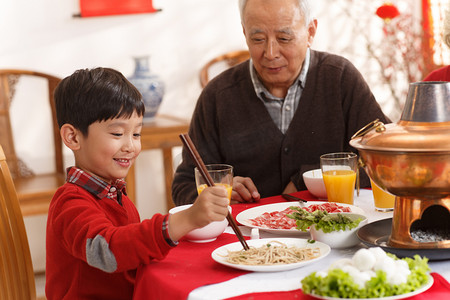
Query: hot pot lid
[404,136]
[423,127]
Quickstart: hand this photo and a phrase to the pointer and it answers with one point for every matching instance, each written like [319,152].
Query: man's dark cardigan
[231,125]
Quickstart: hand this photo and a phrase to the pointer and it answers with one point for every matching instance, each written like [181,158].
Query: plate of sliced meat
[272,217]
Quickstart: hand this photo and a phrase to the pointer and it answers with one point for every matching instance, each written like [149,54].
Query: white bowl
[342,238]
[314,182]
[205,234]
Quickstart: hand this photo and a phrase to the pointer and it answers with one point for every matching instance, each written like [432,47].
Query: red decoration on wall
[387,11]
[427,39]
[94,8]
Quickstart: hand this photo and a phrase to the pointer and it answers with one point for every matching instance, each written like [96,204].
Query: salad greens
[322,219]
[340,284]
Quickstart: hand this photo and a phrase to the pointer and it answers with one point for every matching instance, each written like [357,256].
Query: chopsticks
[293,198]
[185,138]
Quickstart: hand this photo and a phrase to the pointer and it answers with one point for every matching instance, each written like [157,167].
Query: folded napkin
[186,265]
[439,290]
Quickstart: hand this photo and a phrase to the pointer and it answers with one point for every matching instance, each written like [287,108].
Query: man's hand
[244,190]
[290,188]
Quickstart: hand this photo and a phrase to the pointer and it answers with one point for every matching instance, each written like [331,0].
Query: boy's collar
[95,185]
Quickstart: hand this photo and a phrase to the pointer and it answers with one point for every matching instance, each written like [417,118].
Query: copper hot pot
[411,159]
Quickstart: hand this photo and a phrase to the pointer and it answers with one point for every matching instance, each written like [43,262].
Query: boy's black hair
[94,95]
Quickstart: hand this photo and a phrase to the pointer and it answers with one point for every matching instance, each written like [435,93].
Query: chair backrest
[8,83]
[16,269]
[22,93]
[221,63]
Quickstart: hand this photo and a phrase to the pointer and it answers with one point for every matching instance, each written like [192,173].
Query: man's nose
[272,49]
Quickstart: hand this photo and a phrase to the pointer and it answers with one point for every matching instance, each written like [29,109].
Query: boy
[95,240]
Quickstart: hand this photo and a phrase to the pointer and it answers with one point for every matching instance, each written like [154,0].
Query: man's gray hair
[305,9]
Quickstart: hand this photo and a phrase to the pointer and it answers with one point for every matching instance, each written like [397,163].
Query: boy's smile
[110,147]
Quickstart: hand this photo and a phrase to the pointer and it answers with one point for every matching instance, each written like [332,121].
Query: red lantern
[94,8]
[387,11]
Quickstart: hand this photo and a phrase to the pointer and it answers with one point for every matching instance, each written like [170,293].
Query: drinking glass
[383,200]
[339,175]
[221,174]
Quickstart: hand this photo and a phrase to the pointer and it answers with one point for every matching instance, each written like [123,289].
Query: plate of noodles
[271,255]
[272,217]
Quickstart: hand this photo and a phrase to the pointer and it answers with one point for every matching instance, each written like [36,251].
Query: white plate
[396,297]
[219,254]
[251,213]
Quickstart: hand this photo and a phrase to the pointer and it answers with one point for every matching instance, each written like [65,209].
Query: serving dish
[396,297]
[341,238]
[219,254]
[251,213]
[376,234]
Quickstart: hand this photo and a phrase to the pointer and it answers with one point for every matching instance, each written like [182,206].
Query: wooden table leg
[168,175]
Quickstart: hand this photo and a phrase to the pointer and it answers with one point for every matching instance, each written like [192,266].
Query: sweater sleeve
[337,95]
[441,74]
[360,108]
[184,189]
[203,131]
[104,234]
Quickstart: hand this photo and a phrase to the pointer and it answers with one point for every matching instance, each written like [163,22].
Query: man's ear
[312,29]
[70,136]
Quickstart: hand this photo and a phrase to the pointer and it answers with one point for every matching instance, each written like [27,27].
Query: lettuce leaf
[322,219]
[340,284]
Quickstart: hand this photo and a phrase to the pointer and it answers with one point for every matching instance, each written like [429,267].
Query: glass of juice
[383,200]
[221,174]
[339,175]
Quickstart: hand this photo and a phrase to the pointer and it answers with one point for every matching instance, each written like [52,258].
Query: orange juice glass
[383,200]
[221,174]
[339,172]
[228,187]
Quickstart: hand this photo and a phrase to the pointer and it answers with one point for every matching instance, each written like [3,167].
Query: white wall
[42,35]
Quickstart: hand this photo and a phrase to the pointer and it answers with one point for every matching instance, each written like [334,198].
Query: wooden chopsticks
[293,198]
[185,138]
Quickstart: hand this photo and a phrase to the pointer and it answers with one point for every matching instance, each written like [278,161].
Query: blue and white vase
[150,86]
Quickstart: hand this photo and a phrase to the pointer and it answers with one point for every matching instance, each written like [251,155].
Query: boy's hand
[211,205]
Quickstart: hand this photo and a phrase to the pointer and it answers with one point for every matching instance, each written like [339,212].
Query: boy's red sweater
[80,225]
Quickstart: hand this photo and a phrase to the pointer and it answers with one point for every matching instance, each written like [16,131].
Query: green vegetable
[322,219]
[340,284]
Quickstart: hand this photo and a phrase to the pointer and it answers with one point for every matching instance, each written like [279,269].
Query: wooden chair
[34,190]
[16,270]
[220,63]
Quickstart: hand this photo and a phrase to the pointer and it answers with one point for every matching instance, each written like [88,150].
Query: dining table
[189,271]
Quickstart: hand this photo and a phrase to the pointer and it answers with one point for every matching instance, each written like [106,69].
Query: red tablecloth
[189,266]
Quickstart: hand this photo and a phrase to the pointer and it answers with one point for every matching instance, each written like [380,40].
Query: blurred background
[391,43]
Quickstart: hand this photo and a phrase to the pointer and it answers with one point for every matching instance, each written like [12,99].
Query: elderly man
[272,116]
